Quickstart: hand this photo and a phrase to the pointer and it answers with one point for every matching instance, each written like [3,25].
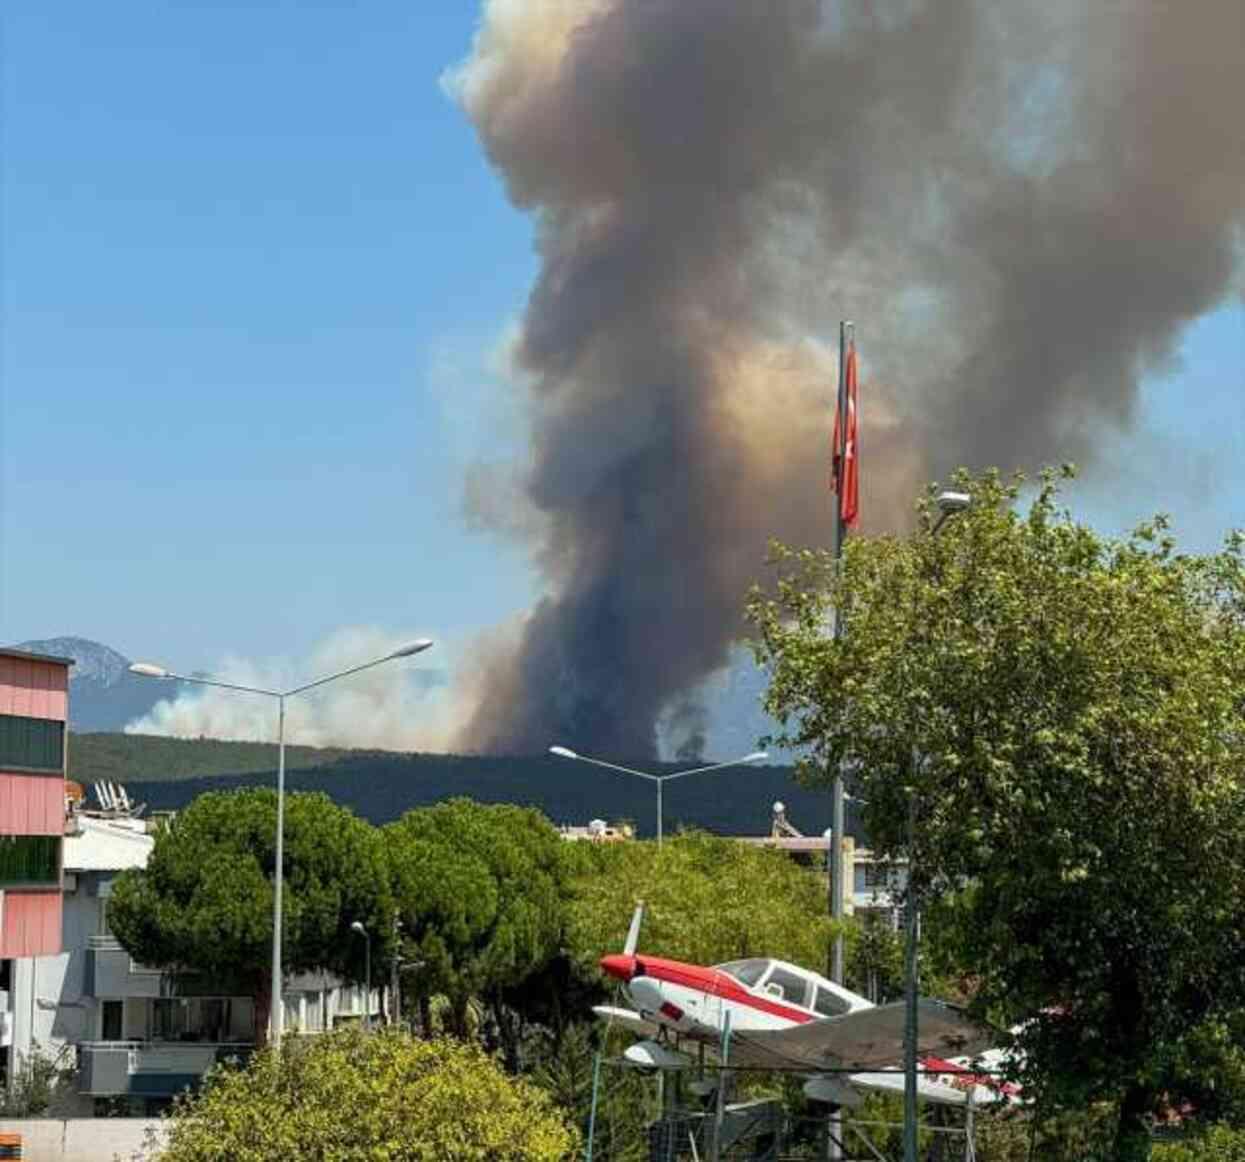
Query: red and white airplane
[784,1017]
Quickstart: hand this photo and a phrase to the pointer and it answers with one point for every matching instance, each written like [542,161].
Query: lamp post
[566,753]
[357,926]
[149,670]
[395,984]
[949,503]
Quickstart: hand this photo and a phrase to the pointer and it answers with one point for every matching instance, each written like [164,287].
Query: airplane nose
[618,965]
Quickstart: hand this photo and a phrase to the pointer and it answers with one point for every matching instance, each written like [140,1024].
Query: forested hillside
[138,758]
[167,773]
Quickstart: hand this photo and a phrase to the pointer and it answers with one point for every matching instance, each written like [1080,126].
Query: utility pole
[835,861]
[911,988]
[395,988]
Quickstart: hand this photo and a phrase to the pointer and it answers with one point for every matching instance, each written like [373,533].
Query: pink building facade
[34,713]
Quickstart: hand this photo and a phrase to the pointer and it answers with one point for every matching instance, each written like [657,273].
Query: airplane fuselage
[695,1001]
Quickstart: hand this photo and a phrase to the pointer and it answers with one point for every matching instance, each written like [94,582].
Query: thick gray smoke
[1021,205]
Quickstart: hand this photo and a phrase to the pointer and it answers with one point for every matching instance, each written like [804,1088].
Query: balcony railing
[150,1068]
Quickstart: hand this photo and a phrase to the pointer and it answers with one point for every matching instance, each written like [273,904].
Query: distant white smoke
[388,707]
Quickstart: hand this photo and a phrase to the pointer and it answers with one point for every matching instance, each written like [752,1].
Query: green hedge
[1219,1144]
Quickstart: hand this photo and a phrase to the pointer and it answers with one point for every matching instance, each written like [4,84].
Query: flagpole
[835,861]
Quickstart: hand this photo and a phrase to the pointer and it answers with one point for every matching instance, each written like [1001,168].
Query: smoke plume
[387,707]
[1021,205]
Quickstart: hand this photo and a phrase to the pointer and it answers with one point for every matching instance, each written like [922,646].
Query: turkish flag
[845,469]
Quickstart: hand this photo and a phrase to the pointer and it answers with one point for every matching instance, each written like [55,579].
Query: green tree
[875,959]
[1076,705]
[203,904]
[383,1097]
[708,899]
[479,890]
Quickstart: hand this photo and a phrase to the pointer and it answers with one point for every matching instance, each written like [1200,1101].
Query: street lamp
[149,670]
[357,926]
[565,752]
[949,503]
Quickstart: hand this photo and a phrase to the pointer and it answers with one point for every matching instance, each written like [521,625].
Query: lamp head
[149,670]
[949,501]
[357,926]
[563,752]
[416,647]
[755,757]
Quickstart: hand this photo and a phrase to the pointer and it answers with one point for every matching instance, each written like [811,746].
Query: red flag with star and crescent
[845,464]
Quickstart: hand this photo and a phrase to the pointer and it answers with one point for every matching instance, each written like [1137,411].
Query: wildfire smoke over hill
[1022,205]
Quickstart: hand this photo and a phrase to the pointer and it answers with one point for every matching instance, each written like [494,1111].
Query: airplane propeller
[633,933]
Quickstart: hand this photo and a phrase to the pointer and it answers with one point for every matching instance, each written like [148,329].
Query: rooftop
[28,656]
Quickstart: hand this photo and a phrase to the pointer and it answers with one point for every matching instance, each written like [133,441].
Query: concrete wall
[111,975]
[83,1139]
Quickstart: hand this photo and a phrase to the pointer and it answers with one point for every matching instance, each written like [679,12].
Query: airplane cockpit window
[788,986]
[747,972]
[828,1004]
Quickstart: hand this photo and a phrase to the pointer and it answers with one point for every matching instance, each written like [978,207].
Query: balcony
[149,1068]
[110,972]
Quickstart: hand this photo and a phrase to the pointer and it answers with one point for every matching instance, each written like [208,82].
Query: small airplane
[775,1015]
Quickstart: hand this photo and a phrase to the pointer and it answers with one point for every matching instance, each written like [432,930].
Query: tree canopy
[479,892]
[356,1096]
[1069,712]
[204,901]
[708,899]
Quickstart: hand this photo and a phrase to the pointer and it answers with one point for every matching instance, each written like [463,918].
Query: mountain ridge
[103,694]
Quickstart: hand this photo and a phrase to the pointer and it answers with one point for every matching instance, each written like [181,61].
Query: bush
[1218,1144]
[377,1097]
[34,1083]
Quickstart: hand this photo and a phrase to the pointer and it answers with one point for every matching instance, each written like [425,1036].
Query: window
[37,743]
[313,1012]
[747,972]
[788,986]
[168,1019]
[293,1019]
[112,1012]
[877,875]
[30,859]
[828,1004]
[212,1019]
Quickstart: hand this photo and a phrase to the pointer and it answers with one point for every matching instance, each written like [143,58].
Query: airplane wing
[626,1019]
[931,1090]
[862,1039]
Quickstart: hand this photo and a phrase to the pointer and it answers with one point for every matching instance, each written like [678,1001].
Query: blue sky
[255,270]
[249,253]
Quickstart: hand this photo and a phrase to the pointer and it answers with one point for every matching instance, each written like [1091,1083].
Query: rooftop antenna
[782,826]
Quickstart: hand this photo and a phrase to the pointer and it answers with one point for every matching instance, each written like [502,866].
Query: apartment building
[136,1036]
[34,709]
